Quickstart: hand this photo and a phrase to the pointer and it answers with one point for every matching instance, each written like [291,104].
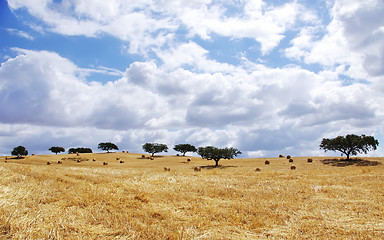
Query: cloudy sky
[267,77]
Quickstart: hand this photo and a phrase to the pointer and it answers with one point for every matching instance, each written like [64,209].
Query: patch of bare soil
[351,162]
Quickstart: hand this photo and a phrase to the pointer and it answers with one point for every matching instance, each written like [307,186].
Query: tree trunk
[347,157]
[217,162]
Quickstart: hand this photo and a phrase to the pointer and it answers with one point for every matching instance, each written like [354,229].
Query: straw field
[134,198]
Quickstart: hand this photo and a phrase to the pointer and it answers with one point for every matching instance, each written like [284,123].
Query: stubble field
[137,199]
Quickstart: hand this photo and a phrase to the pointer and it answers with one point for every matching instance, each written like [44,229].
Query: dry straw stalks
[139,200]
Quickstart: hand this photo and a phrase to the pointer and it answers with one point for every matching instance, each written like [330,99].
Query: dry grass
[139,200]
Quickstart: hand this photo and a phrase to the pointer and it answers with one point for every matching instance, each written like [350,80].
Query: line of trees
[349,145]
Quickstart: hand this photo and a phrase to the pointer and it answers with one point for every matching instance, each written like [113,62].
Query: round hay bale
[121,161]
[309,160]
[105,163]
[197,169]
[288,157]
[48,163]
[258,170]
[293,168]
[188,160]
[59,162]
[290,160]
[267,162]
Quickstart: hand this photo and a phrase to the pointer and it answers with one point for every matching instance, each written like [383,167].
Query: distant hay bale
[33,154]
[6,158]
[94,160]
[143,156]
[178,155]
[188,160]
[78,160]
[78,154]
[6,161]
[166,169]
[151,158]
[48,163]
[309,160]
[117,158]
[197,169]
[293,168]
[257,169]
[281,156]
[59,162]
[267,162]
[288,157]
[121,161]
[123,151]
[290,160]
[105,163]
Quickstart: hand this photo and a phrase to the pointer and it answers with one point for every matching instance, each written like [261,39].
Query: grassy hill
[137,199]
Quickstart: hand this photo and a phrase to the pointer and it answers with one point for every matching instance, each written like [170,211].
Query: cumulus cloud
[265,109]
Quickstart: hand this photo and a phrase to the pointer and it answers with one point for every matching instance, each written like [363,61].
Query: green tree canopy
[155,148]
[184,148]
[19,151]
[107,146]
[350,144]
[213,153]
[56,149]
[80,150]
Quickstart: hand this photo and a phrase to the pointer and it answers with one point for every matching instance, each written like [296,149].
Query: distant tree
[184,148]
[350,144]
[213,153]
[80,150]
[107,146]
[155,148]
[57,149]
[19,151]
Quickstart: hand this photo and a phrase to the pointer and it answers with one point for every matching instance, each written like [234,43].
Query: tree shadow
[216,167]
[352,162]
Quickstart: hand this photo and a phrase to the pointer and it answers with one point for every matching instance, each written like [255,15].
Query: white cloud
[264,109]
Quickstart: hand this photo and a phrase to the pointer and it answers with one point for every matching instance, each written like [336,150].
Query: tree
[184,148]
[350,144]
[57,149]
[155,148]
[107,146]
[80,150]
[213,153]
[19,151]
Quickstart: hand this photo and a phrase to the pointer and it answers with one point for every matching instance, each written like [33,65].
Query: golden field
[137,199]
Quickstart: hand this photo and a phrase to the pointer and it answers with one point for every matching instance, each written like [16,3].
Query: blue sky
[266,77]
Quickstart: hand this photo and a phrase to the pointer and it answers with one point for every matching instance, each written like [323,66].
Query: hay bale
[78,160]
[166,169]
[188,160]
[288,157]
[197,169]
[309,160]
[293,168]
[290,160]
[105,163]
[48,163]
[281,156]
[258,170]
[94,160]
[117,158]
[267,162]
[59,162]
[151,158]
[121,161]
